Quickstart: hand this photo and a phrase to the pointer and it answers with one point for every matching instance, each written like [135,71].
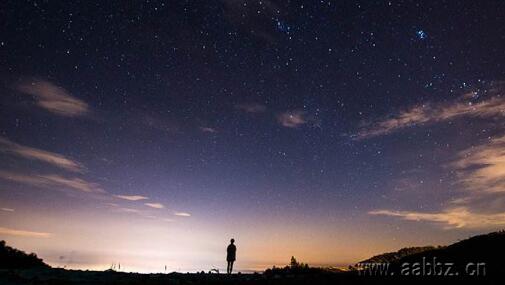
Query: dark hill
[397,255]
[486,251]
[11,258]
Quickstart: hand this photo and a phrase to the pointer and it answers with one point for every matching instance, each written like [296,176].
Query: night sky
[149,133]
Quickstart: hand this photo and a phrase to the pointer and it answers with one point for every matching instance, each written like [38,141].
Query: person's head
[232,241]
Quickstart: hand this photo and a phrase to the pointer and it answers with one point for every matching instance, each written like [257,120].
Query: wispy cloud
[155,205]
[55,181]
[208,130]
[131,197]
[7,209]
[137,212]
[433,113]
[460,217]
[251,107]
[128,210]
[73,183]
[182,214]
[481,173]
[55,159]
[54,98]
[292,119]
[481,169]
[22,233]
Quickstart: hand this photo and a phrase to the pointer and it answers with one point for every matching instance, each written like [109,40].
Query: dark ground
[61,276]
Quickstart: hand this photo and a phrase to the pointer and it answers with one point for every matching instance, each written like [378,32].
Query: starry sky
[148,133]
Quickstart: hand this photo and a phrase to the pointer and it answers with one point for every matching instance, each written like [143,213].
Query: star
[283,27]
[422,35]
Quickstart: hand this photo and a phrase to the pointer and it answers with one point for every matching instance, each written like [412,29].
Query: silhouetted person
[230,256]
